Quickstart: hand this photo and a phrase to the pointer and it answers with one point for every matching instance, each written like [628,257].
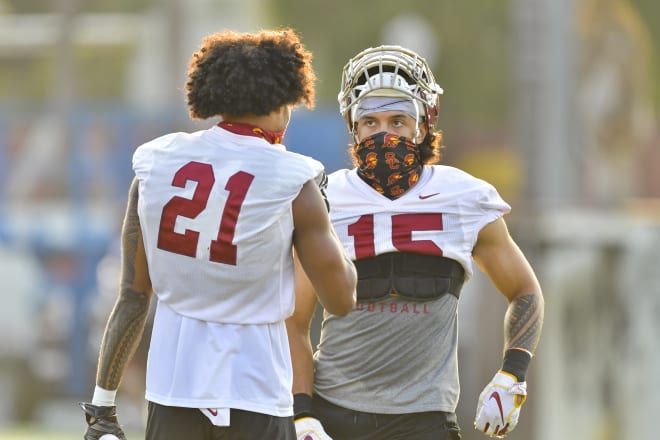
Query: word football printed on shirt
[412,308]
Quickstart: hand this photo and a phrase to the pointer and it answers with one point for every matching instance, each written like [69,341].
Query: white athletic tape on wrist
[103,397]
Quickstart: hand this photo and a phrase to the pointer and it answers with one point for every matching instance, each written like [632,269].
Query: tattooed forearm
[523,322]
[121,338]
[130,237]
[126,323]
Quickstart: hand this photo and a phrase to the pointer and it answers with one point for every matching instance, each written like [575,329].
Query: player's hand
[499,405]
[101,421]
[309,428]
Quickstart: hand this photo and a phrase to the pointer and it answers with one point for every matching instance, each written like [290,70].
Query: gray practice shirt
[391,357]
[397,356]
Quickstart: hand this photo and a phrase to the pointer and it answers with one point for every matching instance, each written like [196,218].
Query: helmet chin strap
[354,124]
[417,130]
[355,133]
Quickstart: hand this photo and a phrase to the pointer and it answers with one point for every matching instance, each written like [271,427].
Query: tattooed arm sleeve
[523,322]
[502,260]
[128,317]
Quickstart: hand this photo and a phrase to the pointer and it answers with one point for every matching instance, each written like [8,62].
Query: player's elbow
[335,281]
[341,303]
[339,299]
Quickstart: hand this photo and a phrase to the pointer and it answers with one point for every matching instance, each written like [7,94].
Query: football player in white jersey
[389,368]
[212,222]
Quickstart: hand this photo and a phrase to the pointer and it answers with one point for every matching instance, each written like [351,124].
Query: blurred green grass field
[39,433]
[35,433]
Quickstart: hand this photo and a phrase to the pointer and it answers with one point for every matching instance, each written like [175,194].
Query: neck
[274,121]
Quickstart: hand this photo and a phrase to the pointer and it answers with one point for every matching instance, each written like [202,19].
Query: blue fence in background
[70,204]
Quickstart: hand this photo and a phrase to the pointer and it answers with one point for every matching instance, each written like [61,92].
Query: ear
[282,116]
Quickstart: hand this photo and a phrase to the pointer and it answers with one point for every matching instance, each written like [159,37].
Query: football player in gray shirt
[389,368]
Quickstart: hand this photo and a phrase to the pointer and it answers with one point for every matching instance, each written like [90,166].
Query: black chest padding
[410,276]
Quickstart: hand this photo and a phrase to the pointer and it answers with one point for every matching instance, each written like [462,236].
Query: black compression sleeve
[516,362]
[302,406]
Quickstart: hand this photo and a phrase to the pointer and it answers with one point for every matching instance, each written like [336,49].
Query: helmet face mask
[389,71]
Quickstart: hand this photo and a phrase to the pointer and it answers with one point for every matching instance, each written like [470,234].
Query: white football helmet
[389,71]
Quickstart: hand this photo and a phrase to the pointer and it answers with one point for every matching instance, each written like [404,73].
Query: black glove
[101,420]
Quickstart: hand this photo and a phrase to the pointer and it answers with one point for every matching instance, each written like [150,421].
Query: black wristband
[302,406]
[516,362]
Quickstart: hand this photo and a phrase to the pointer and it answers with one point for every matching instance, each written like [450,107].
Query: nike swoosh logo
[496,396]
[422,197]
[214,412]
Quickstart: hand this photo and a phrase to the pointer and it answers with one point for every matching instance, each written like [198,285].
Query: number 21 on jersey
[222,250]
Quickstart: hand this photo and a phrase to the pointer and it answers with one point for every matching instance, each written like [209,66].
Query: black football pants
[345,424]
[176,423]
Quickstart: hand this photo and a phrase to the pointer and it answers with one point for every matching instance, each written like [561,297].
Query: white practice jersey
[216,217]
[441,215]
[198,364]
[399,356]
[215,210]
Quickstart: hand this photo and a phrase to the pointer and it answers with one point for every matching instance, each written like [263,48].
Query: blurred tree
[649,13]
[613,96]
[473,41]
[40,6]
[101,74]
[105,69]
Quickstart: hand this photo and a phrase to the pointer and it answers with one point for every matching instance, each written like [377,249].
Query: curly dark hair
[249,74]
[430,149]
